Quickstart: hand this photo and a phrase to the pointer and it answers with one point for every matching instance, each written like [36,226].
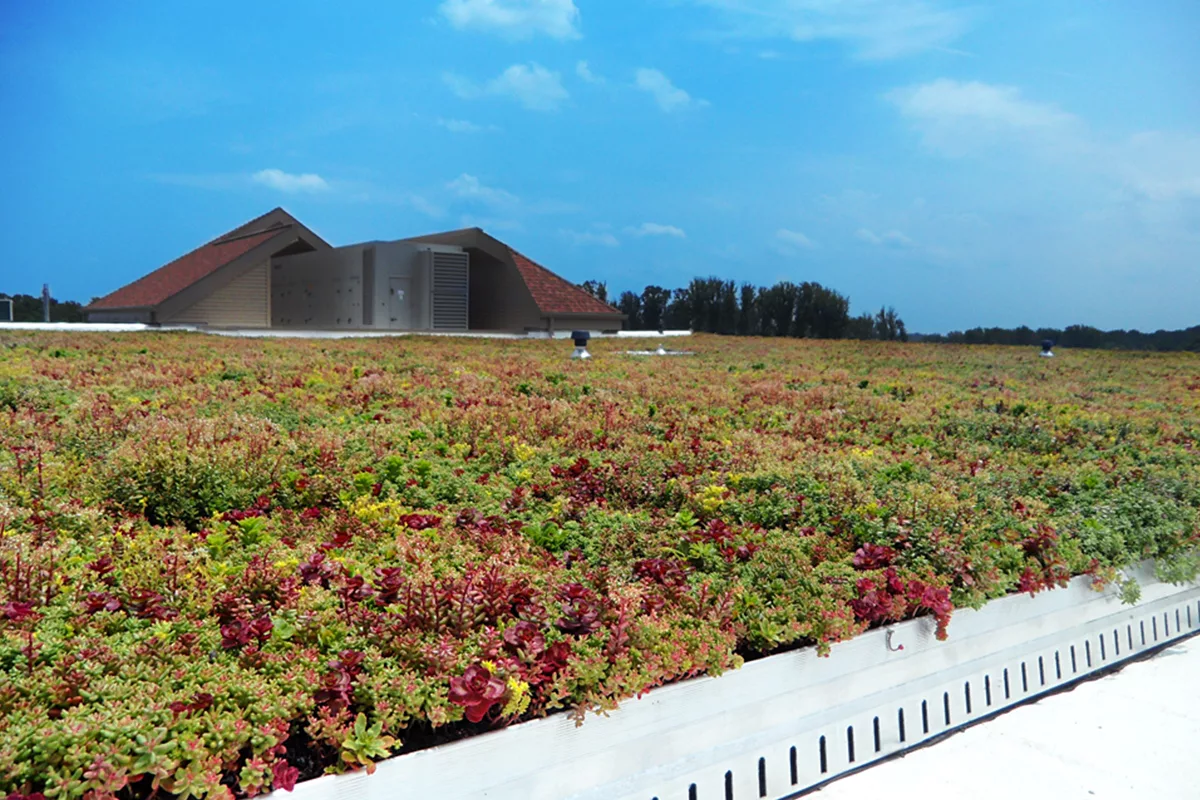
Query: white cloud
[958,118]
[605,238]
[344,191]
[668,96]
[585,73]
[462,126]
[888,239]
[867,236]
[515,19]
[290,183]
[875,29]
[427,208]
[532,85]
[1161,166]
[794,238]
[946,101]
[655,229]
[469,187]
[463,87]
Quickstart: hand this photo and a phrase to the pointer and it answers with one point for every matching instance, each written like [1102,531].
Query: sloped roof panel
[555,295]
[172,278]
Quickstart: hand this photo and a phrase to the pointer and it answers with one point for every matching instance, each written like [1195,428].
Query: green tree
[630,305]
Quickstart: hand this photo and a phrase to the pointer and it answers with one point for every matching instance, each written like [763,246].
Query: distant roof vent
[581,339]
[659,351]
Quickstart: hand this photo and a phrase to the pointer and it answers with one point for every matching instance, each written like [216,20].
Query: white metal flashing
[291,333]
[785,724]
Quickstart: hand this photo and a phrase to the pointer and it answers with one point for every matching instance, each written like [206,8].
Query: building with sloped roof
[273,272]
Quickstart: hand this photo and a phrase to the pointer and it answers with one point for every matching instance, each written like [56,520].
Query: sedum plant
[227,566]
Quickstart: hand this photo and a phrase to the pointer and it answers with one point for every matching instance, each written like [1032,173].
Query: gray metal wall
[399,268]
[317,290]
[374,286]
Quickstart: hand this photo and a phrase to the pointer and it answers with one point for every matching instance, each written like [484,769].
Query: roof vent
[581,342]
[660,351]
[1047,347]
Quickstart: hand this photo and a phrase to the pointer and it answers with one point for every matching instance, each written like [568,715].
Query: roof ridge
[233,234]
[229,237]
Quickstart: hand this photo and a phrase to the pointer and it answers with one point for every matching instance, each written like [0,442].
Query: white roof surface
[1133,735]
[288,333]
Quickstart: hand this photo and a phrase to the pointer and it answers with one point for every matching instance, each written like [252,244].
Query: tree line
[1075,336]
[806,310]
[28,308]
[715,305]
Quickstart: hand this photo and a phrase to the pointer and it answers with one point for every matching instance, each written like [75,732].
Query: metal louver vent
[451,290]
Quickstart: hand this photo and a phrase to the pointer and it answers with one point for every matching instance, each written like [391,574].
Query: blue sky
[972,164]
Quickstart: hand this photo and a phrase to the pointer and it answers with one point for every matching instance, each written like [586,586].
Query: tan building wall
[243,302]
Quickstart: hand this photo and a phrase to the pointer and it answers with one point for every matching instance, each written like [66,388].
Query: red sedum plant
[227,566]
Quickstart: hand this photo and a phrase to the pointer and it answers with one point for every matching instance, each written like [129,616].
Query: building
[273,272]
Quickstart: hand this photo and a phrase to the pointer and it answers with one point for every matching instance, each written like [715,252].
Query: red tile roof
[555,295]
[169,280]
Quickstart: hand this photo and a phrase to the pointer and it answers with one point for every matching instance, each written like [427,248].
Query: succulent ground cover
[228,565]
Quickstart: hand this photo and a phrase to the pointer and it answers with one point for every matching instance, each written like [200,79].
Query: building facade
[273,272]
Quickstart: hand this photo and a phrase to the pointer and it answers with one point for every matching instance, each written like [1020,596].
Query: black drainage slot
[1103,654]
[1041,671]
[850,743]
[729,785]
[967,695]
[1024,679]
[1007,692]
[824,762]
[1154,627]
[878,745]
[946,707]
[900,724]
[762,777]
[795,766]
[1087,651]
[1057,667]
[1142,625]
[692,792]
[1129,630]
[987,689]
[1116,644]
[1074,666]
[925,716]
